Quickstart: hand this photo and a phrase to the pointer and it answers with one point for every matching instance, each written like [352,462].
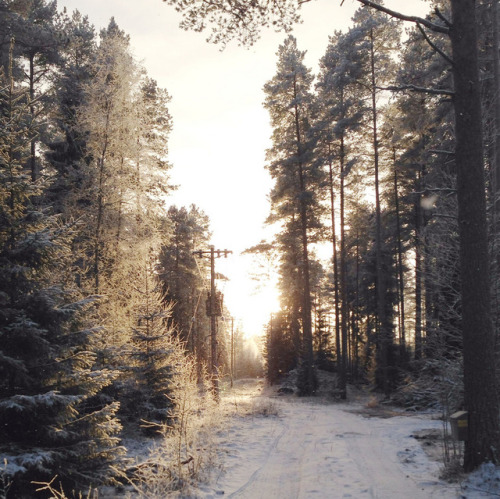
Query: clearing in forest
[284,447]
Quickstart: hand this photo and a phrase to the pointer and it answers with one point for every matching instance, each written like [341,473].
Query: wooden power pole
[214,309]
[232,350]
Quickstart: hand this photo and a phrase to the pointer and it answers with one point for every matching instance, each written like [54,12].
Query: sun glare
[249,301]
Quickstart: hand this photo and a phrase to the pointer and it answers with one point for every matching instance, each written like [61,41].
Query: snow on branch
[434,46]
[415,88]
[414,19]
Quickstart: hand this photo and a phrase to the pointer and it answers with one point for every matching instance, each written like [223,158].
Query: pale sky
[221,130]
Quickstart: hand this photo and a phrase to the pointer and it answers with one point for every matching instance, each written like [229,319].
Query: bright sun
[248,301]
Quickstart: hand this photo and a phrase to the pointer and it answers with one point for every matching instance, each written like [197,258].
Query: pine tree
[184,279]
[379,37]
[48,375]
[293,198]
[279,348]
[123,175]
[67,148]
[342,107]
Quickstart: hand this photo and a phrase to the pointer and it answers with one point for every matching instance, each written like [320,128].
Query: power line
[214,309]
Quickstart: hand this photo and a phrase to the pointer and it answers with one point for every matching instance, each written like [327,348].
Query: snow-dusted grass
[243,400]
[255,444]
[319,448]
[5,481]
[484,482]
[185,453]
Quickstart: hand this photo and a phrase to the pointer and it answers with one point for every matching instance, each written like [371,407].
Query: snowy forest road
[326,450]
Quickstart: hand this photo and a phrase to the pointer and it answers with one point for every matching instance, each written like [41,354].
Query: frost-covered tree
[378,39]
[146,402]
[50,420]
[123,176]
[33,26]
[67,148]
[341,114]
[109,118]
[480,383]
[184,278]
[294,196]
[151,183]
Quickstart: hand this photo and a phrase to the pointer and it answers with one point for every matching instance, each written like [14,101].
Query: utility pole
[214,309]
[232,350]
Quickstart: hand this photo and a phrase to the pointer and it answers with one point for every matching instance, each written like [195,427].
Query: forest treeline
[102,302]
[365,198]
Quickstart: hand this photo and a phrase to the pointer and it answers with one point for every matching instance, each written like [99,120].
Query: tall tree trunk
[495,14]
[33,165]
[335,266]
[306,292]
[402,332]
[119,221]
[418,270]
[100,210]
[343,284]
[355,325]
[383,340]
[480,392]
[495,11]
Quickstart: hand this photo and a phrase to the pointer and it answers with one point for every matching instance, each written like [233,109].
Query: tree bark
[335,267]
[495,14]
[402,332]
[343,283]
[383,340]
[481,398]
[419,271]
[306,292]
[33,165]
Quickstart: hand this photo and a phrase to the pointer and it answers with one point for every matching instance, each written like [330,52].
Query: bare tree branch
[441,151]
[442,17]
[437,189]
[415,88]
[414,19]
[434,46]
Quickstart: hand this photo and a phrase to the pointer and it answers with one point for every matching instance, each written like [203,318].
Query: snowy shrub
[437,384]
[485,480]
[433,384]
[59,493]
[5,481]
[186,451]
[264,408]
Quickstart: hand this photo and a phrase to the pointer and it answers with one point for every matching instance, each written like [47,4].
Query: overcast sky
[221,130]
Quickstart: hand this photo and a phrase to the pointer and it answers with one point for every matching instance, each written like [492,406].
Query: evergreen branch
[434,46]
[442,215]
[435,189]
[442,17]
[414,19]
[415,88]
[440,151]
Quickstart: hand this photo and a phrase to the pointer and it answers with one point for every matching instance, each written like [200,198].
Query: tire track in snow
[281,473]
[254,476]
[322,451]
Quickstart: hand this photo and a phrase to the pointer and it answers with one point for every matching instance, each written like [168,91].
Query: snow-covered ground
[287,447]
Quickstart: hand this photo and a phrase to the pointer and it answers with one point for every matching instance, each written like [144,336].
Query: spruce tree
[184,278]
[153,345]
[50,422]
